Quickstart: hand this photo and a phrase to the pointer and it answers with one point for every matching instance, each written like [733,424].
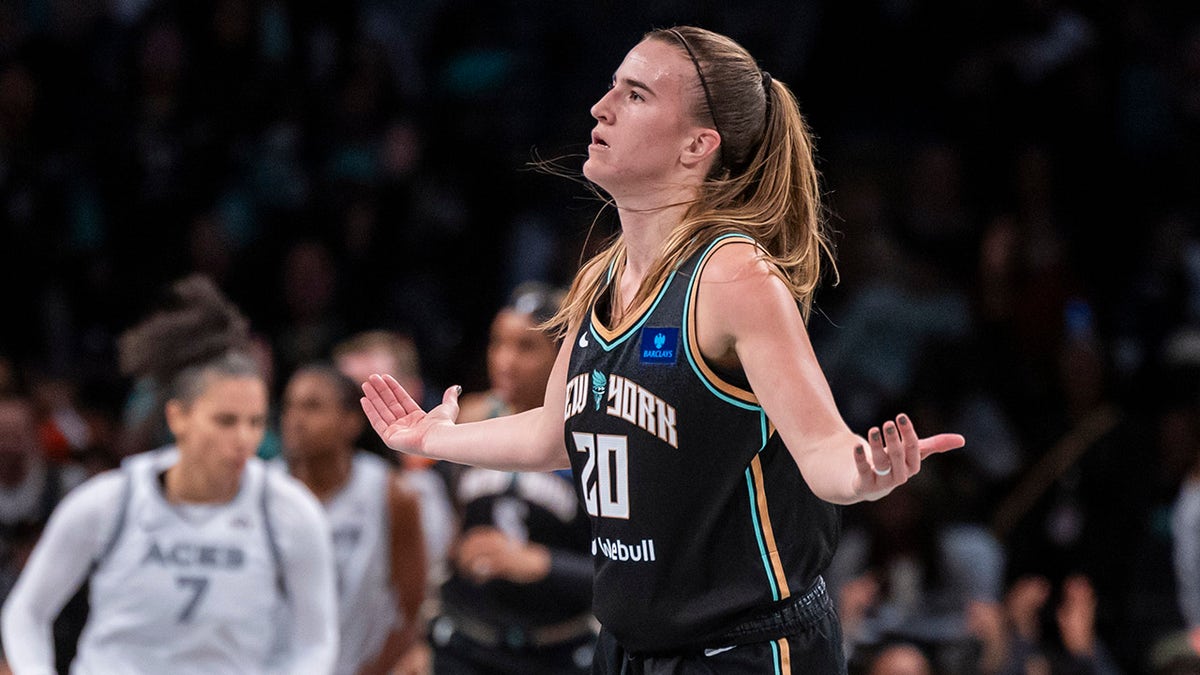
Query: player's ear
[701,147]
[178,417]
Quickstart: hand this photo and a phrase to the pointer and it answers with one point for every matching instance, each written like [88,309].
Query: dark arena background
[1012,187]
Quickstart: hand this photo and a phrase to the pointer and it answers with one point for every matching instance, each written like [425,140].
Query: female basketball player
[703,436]
[198,560]
[375,520]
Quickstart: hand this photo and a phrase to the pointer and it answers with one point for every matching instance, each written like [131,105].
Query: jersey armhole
[272,541]
[119,525]
[716,380]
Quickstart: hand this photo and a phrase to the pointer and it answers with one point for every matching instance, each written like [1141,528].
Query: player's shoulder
[93,506]
[735,258]
[289,500]
[102,488]
[738,268]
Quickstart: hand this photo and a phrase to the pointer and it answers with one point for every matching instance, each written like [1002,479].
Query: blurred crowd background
[1013,188]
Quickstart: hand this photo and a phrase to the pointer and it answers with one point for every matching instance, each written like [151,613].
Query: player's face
[313,420]
[642,123]
[520,359]
[221,428]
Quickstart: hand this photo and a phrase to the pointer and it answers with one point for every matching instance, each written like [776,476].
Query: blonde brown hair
[764,182]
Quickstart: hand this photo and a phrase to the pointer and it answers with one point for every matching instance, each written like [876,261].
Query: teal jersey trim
[609,346]
[762,547]
[687,306]
[757,521]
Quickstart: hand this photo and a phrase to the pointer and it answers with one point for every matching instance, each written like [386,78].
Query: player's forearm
[829,468]
[55,570]
[528,441]
[28,643]
[314,639]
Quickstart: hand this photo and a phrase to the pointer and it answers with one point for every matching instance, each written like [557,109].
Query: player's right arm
[75,535]
[527,441]
[306,552]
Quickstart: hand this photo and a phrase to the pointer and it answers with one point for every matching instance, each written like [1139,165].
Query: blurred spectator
[900,659]
[903,305]
[905,571]
[311,323]
[30,488]
[30,485]
[1070,644]
[1058,518]
[65,435]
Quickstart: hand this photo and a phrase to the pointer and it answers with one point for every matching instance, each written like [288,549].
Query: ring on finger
[883,472]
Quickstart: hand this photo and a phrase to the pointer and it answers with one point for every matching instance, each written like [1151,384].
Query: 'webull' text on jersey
[700,517]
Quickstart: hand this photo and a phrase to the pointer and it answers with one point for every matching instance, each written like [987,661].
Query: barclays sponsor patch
[660,345]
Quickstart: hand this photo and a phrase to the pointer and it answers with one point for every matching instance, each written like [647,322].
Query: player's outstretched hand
[397,418]
[896,453]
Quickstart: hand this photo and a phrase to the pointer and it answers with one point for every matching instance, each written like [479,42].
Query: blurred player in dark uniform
[519,596]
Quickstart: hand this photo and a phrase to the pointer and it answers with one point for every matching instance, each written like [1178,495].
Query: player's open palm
[397,418]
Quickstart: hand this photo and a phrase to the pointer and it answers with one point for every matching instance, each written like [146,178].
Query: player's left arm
[406,552]
[767,337]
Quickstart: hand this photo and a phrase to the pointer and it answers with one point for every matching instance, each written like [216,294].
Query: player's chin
[234,468]
[594,170]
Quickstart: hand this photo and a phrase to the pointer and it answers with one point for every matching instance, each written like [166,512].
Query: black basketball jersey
[533,506]
[700,517]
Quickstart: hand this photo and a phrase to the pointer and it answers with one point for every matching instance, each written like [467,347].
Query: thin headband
[766,78]
[703,84]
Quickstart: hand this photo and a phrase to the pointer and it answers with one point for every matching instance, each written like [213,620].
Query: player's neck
[644,234]
[184,485]
[324,473]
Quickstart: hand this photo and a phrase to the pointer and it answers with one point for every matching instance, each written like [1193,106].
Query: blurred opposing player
[199,560]
[375,519]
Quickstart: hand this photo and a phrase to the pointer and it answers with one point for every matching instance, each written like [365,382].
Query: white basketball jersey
[184,589]
[359,518]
